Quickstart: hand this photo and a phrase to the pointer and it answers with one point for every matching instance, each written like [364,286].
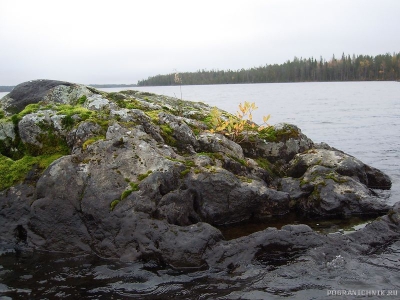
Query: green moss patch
[51,144]
[166,133]
[82,100]
[153,114]
[185,172]
[113,204]
[336,177]
[125,194]
[134,186]
[13,172]
[70,110]
[92,140]
[271,134]
[145,175]
[213,155]
[29,109]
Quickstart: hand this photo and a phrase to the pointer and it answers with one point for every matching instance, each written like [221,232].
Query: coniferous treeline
[346,68]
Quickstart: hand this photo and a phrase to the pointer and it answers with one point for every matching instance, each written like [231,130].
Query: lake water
[360,118]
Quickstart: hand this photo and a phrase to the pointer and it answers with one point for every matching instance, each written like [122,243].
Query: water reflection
[324,225]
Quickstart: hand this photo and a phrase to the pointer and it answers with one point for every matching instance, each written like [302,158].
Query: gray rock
[34,128]
[181,131]
[265,247]
[341,163]
[178,207]
[218,143]
[97,102]
[221,198]
[41,90]
[289,141]
[7,131]
[30,128]
[84,131]
[323,191]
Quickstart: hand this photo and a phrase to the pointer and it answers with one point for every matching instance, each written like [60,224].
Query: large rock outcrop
[42,90]
[138,176]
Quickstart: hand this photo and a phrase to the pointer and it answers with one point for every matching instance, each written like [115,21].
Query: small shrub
[236,127]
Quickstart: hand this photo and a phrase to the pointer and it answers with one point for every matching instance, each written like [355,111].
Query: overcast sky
[118,41]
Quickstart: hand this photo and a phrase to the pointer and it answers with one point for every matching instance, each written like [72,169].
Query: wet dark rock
[15,213]
[258,246]
[231,200]
[296,247]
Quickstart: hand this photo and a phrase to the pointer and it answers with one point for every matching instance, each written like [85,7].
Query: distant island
[385,67]
[104,86]
[5,89]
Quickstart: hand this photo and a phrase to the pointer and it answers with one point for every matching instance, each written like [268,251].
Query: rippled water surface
[39,275]
[360,118]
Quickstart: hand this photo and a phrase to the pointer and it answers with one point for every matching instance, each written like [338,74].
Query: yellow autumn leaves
[237,128]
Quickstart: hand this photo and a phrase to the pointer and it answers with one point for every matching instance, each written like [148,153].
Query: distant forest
[346,68]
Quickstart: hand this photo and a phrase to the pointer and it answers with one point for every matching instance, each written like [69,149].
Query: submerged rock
[135,175]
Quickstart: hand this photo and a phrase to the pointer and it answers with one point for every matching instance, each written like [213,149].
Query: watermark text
[382,293]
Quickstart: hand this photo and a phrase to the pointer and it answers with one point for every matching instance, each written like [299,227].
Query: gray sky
[118,41]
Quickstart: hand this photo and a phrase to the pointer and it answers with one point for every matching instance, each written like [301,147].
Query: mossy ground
[17,163]
[17,159]
[14,171]
[271,134]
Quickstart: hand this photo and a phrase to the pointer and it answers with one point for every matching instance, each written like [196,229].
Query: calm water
[360,118]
